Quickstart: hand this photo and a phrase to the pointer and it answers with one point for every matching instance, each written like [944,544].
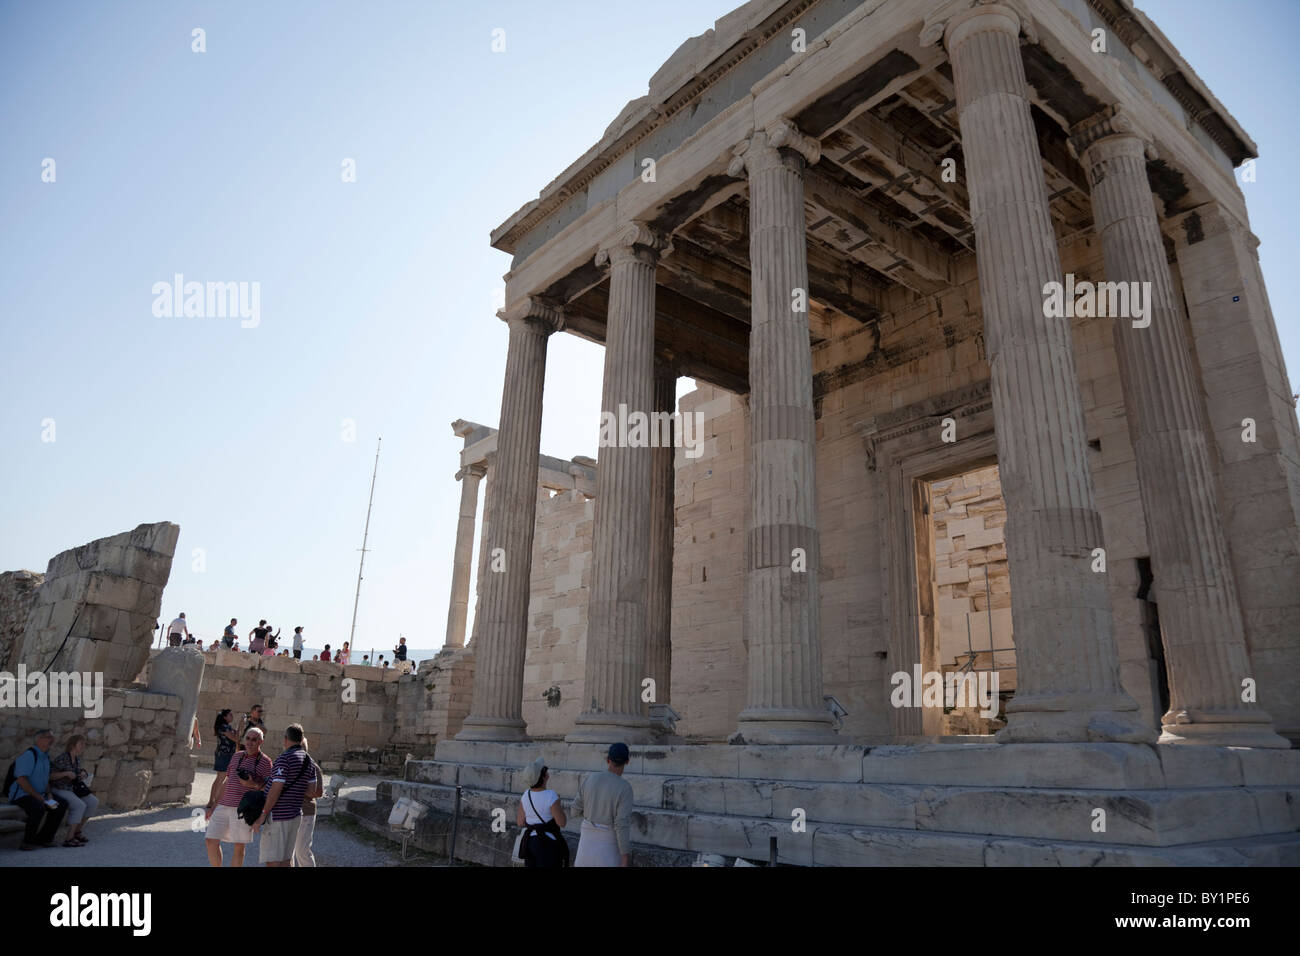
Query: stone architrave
[1200,618]
[785,703]
[616,634]
[458,612]
[1068,668]
[662,526]
[501,631]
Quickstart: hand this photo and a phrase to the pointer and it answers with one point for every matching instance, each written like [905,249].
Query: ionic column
[1067,665]
[501,630]
[617,617]
[458,612]
[1200,618]
[484,536]
[783,618]
[662,526]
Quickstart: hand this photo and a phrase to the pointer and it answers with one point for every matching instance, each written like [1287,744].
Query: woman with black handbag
[68,782]
[542,844]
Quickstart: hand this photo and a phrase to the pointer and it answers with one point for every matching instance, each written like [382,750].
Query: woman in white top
[542,816]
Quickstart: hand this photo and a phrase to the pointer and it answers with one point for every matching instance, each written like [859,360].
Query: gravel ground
[162,836]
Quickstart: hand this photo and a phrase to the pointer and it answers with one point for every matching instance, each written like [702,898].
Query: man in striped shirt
[248,770]
[291,775]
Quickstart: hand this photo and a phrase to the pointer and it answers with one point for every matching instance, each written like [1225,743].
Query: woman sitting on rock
[68,783]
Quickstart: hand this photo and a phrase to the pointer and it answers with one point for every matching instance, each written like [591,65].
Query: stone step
[1135,817]
[838,844]
[1082,766]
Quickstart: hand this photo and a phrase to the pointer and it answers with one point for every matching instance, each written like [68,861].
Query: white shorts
[227,827]
[279,838]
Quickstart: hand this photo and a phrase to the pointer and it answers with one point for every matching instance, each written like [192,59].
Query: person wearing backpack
[27,785]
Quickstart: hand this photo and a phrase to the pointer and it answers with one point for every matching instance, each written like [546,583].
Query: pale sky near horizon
[376,296]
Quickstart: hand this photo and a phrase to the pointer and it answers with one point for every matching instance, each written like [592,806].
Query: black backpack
[11,777]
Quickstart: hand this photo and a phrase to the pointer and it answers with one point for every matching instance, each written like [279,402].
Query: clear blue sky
[376,296]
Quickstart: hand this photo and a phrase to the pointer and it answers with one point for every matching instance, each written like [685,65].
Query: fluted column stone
[501,632]
[783,608]
[617,615]
[1067,665]
[458,611]
[659,607]
[1200,616]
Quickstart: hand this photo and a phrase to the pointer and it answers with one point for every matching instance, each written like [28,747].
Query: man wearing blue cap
[604,803]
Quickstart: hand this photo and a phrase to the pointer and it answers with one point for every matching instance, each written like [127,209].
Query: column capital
[476,471]
[538,313]
[635,240]
[1112,129]
[955,20]
[779,134]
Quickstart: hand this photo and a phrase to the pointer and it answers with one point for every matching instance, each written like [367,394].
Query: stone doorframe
[904,448]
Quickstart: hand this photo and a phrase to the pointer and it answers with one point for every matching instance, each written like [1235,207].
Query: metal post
[364,537]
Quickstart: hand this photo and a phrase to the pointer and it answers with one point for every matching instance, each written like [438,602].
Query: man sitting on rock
[30,789]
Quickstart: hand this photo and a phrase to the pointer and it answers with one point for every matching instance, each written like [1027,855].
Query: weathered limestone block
[131,785]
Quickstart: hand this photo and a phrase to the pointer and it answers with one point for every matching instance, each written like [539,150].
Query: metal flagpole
[364,537]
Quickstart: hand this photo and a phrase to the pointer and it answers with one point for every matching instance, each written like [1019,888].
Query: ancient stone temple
[989,384]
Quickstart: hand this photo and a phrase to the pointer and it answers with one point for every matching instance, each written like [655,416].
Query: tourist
[176,630]
[237,647]
[315,657]
[325,654]
[191,639]
[248,771]
[272,640]
[344,656]
[257,638]
[604,802]
[302,855]
[542,845]
[227,741]
[253,719]
[399,652]
[31,791]
[68,783]
[215,645]
[228,637]
[365,660]
[297,643]
[381,662]
[282,816]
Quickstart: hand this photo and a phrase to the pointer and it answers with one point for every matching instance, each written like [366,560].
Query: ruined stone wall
[557,614]
[389,715]
[434,704]
[112,589]
[132,748]
[18,591]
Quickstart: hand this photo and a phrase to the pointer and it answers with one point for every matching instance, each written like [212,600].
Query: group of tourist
[47,791]
[263,642]
[253,794]
[604,802]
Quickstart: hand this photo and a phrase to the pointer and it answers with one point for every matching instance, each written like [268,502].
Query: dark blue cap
[619,753]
